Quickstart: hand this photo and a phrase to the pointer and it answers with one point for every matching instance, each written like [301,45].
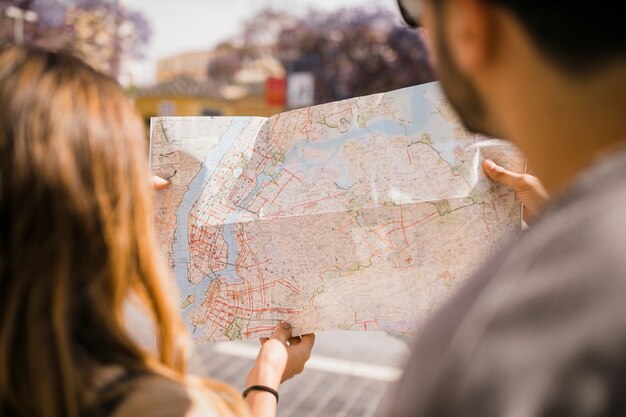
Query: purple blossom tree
[355,52]
[100,31]
[351,52]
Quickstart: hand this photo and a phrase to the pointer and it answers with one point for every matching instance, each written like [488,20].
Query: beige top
[159,397]
[156,396]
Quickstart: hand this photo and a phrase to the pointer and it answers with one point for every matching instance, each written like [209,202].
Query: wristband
[260,388]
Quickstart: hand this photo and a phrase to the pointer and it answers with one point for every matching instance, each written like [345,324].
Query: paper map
[360,214]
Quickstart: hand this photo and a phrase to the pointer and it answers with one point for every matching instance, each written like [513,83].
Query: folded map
[362,214]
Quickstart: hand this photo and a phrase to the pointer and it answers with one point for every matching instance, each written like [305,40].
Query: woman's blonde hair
[75,238]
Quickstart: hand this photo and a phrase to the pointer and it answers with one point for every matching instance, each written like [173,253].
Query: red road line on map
[244,243]
[405,227]
[349,109]
[423,219]
[248,292]
[256,264]
[402,226]
[293,175]
[281,189]
[486,225]
[274,124]
[385,225]
[258,310]
[495,210]
[309,122]
[250,331]
[288,285]
[317,201]
[216,319]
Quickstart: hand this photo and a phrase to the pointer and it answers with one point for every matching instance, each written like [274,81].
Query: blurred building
[185,96]
[184,88]
[192,64]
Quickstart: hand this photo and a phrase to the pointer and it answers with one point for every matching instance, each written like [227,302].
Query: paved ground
[347,375]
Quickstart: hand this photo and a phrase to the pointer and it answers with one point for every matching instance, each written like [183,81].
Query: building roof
[183,86]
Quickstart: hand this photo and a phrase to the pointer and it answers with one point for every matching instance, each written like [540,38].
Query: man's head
[471,37]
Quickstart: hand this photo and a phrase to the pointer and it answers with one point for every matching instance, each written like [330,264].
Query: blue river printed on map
[181,239]
[421,111]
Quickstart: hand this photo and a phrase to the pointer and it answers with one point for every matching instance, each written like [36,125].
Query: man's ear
[471,28]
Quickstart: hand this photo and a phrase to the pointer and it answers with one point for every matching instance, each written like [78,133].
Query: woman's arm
[281,357]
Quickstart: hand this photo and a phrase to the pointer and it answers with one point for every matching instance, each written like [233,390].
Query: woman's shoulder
[159,396]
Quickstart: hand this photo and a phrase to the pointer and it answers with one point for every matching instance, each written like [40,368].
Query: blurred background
[235,57]
[248,58]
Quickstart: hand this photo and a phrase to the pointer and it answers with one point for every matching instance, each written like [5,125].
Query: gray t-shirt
[541,329]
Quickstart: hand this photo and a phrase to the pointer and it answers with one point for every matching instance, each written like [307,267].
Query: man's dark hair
[579,36]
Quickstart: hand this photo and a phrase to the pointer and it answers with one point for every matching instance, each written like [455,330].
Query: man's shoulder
[585,226]
[531,312]
[576,249]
